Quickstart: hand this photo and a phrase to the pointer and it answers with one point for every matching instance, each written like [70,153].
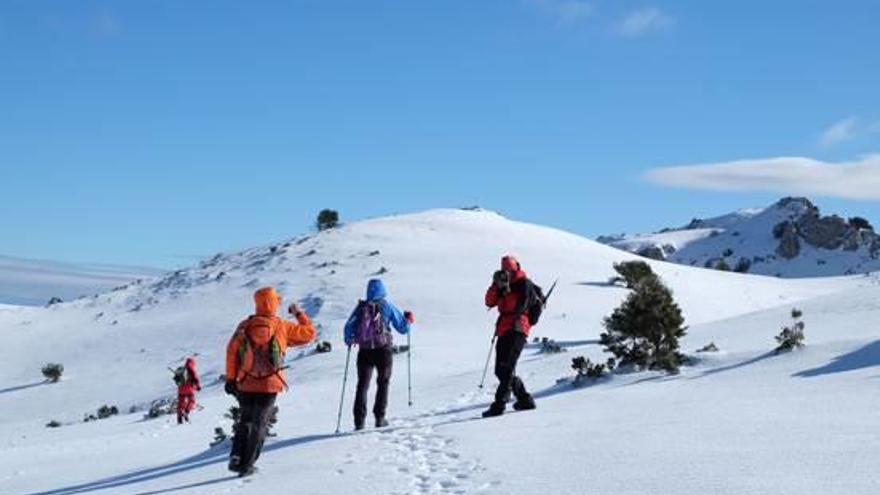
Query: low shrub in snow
[632,272]
[323,347]
[53,372]
[399,349]
[161,407]
[53,424]
[53,301]
[103,412]
[220,436]
[710,347]
[644,330]
[588,370]
[792,336]
[550,346]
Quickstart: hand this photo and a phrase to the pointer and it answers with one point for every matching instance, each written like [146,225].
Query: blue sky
[155,133]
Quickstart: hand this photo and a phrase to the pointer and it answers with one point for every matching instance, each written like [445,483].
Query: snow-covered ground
[740,421]
[33,282]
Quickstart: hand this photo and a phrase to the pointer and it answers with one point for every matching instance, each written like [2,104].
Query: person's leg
[365,373]
[181,407]
[524,400]
[504,367]
[384,361]
[240,428]
[265,403]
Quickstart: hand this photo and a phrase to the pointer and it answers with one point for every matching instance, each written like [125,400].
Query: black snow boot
[381,422]
[358,426]
[524,404]
[245,472]
[235,463]
[495,409]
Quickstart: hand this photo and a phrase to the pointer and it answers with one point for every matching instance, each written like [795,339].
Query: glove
[230,387]
[502,281]
[409,317]
[198,388]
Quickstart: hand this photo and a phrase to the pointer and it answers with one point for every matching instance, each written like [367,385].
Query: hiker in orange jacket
[255,371]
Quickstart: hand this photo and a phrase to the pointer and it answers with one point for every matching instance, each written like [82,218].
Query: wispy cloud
[643,21]
[565,11]
[857,179]
[838,132]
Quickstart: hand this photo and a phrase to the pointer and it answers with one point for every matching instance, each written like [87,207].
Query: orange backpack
[259,354]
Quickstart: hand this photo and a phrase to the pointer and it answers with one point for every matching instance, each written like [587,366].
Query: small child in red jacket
[187,379]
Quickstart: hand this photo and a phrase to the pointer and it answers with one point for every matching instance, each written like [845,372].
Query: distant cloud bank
[857,179]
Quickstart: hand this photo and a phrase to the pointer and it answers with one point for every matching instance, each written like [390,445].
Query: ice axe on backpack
[549,293]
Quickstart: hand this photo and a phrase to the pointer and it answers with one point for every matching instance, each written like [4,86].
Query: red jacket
[190,386]
[511,305]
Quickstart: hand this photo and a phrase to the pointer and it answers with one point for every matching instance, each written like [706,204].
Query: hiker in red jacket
[509,293]
[187,379]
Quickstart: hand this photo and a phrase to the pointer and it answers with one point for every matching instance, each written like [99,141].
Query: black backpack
[181,376]
[535,302]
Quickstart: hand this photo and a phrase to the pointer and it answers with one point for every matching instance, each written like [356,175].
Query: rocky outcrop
[789,242]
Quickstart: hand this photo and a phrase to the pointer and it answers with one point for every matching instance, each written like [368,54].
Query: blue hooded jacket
[376,292]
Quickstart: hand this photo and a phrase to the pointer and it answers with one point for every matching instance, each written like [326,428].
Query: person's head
[190,362]
[376,290]
[267,301]
[510,265]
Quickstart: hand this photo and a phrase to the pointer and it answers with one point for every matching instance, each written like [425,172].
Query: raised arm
[301,332]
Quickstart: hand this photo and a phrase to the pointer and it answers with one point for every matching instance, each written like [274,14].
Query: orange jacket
[287,334]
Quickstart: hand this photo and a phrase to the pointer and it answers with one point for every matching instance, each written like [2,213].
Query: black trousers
[251,429]
[508,347]
[367,360]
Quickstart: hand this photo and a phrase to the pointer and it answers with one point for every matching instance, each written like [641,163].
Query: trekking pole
[342,397]
[409,368]
[486,368]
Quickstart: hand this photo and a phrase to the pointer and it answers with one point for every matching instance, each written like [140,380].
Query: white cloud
[565,11]
[643,21]
[858,179]
[844,130]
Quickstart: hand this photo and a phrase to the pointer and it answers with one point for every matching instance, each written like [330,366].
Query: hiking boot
[524,404]
[494,410]
[381,422]
[247,471]
[235,463]
[358,426]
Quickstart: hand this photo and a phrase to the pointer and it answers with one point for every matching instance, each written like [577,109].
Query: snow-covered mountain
[787,239]
[31,282]
[740,421]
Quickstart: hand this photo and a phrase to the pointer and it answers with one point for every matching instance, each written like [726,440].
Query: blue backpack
[371,331]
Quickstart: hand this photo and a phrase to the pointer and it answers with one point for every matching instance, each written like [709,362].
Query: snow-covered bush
[722,265]
[103,412]
[220,436]
[327,219]
[710,347]
[743,265]
[792,336]
[53,424]
[161,407]
[632,272]
[53,301]
[550,346]
[323,347]
[588,370]
[53,372]
[399,349]
[644,330]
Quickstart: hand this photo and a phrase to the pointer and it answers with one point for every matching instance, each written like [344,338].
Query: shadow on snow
[864,357]
[22,387]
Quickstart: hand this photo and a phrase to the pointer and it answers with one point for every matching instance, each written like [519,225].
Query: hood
[376,290]
[510,264]
[267,301]
[190,363]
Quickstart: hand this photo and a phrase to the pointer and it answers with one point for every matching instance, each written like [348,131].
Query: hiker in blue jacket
[369,327]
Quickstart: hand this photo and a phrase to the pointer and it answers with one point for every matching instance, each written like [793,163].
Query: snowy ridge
[788,239]
[728,414]
[34,283]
